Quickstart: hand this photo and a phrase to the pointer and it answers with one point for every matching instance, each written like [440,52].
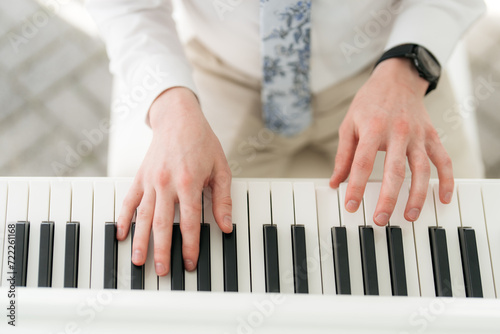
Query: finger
[190,210]
[130,203]
[420,174]
[221,200]
[162,231]
[145,212]
[344,157]
[361,169]
[394,174]
[442,161]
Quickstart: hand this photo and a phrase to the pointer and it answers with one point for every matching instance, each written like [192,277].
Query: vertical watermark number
[11,292]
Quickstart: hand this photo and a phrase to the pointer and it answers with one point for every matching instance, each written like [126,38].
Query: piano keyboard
[290,236]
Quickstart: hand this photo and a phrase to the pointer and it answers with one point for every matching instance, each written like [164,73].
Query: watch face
[428,63]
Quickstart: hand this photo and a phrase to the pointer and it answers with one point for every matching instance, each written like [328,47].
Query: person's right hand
[184,157]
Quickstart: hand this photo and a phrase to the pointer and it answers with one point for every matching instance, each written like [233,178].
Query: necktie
[285,33]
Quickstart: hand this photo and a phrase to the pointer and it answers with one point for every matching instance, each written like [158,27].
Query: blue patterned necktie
[285,32]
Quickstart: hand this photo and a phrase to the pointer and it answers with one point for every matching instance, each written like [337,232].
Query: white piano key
[328,216]
[305,214]
[471,211]
[104,207]
[448,217]
[397,219]
[17,209]
[370,199]
[240,218]
[216,255]
[283,218]
[191,277]
[82,212]
[38,211]
[3,230]
[60,214]
[124,279]
[352,221]
[421,226]
[491,202]
[259,210]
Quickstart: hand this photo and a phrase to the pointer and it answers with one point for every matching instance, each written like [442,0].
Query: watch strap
[408,51]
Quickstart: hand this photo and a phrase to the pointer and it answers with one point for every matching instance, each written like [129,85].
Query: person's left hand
[388,114]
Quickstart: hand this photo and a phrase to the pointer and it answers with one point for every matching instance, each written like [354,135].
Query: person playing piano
[254,83]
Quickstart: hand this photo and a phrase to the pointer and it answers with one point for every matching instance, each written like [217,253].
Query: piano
[296,262]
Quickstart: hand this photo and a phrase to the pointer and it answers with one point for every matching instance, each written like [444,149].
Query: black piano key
[368,260]
[71,255]
[45,254]
[21,252]
[470,262]
[230,261]
[299,259]
[136,272]
[271,262]
[110,256]
[396,260]
[440,262]
[341,260]
[203,272]
[176,263]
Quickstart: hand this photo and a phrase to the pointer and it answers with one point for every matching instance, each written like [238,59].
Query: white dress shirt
[144,46]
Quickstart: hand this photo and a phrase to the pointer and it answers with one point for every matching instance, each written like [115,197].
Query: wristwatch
[426,64]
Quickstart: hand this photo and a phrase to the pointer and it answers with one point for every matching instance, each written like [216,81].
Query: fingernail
[120,232]
[137,256]
[382,219]
[188,264]
[228,221]
[447,197]
[352,205]
[160,268]
[413,214]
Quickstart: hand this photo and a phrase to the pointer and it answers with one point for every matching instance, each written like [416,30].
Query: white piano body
[281,203]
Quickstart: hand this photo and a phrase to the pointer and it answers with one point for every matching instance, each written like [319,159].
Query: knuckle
[142,211]
[433,135]
[189,248]
[191,207]
[356,190]
[420,196]
[128,203]
[163,178]
[362,163]
[160,223]
[402,128]
[185,182]
[446,161]
[343,130]
[160,251]
[421,164]
[398,169]
[388,201]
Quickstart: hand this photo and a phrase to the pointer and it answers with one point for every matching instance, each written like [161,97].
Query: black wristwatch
[426,64]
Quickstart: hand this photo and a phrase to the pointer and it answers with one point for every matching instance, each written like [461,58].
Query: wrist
[402,72]
[173,101]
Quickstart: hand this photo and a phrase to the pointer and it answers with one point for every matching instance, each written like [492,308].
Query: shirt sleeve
[435,25]
[145,52]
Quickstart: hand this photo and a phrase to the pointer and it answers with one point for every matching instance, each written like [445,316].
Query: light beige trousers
[231,103]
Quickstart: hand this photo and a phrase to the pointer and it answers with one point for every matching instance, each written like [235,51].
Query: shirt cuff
[152,77]
[431,27]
